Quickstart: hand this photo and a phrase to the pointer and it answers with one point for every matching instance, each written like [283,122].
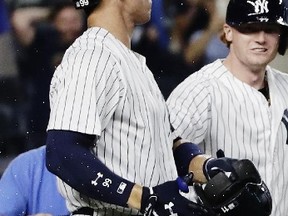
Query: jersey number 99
[84,3]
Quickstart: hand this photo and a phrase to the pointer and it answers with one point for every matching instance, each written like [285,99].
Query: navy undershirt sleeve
[69,157]
[183,155]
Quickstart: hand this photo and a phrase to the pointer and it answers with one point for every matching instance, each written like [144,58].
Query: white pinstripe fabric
[218,111]
[103,88]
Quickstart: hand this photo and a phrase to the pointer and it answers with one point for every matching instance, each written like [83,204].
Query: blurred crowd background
[182,36]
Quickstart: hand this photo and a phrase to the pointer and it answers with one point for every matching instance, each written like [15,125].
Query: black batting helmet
[239,193]
[241,12]
[255,11]
[82,4]
[87,5]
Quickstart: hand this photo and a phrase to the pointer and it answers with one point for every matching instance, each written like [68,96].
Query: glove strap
[148,201]
[206,168]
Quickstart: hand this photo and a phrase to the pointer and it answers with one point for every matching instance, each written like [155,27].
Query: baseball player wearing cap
[240,104]
[109,136]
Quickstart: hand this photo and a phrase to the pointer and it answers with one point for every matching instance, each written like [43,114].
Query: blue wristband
[183,155]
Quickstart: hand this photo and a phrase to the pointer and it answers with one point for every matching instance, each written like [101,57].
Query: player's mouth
[260,50]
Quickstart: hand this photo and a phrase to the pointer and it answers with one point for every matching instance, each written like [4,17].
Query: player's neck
[253,77]
[113,24]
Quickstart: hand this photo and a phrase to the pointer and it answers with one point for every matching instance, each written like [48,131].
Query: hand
[165,200]
[213,166]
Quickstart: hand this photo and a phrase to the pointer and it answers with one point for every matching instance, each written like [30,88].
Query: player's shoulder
[207,74]
[28,162]
[30,156]
[92,48]
[201,81]
[277,74]
[93,39]
[98,39]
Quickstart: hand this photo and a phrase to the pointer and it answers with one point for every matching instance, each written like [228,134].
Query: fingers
[220,153]
[184,182]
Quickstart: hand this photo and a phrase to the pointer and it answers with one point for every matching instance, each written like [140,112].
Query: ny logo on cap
[260,6]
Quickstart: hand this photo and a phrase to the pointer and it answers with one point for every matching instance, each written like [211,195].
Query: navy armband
[183,155]
[69,157]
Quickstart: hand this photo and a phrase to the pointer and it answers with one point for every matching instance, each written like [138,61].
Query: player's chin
[144,19]
[263,58]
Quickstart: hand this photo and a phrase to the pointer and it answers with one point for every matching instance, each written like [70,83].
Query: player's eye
[254,28]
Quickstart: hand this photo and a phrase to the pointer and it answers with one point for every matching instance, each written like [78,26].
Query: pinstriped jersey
[217,111]
[105,89]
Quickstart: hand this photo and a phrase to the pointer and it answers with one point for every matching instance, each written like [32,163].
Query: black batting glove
[165,200]
[213,166]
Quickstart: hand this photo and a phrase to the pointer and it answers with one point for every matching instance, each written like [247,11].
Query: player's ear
[227,32]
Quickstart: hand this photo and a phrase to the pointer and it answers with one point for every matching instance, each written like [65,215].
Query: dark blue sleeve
[69,157]
[183,155]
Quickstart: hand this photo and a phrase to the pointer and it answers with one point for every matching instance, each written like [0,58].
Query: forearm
[23,20]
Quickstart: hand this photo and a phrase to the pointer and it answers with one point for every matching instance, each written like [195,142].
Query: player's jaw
[146,11]
[139,10]
[262,54]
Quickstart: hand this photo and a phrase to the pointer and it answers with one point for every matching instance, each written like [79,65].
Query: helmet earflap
[283,43]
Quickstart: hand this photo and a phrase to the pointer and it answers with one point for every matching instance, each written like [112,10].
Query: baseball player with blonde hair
[240,103]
